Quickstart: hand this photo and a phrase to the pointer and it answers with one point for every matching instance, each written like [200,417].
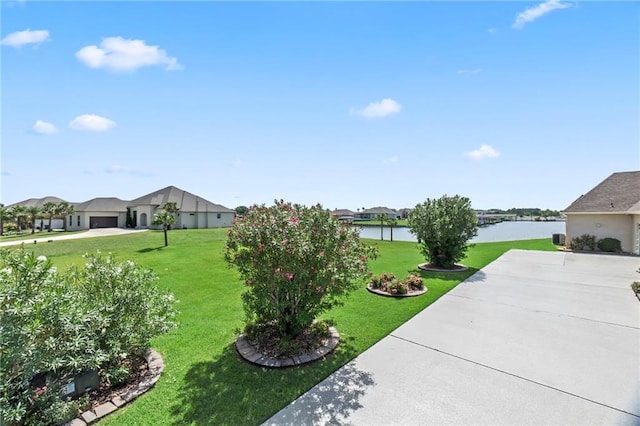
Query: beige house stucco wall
[619,226]
[636,232]
[82,220]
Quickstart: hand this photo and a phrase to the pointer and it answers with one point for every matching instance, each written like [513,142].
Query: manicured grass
[204,381]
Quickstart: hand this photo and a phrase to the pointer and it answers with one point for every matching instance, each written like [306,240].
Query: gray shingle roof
[186,201]
[342,212]
[619,193]
[102,204]
[39,202]
[383,210]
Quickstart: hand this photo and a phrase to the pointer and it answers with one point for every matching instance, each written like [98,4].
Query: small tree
[33,212]
[166,219]
[296,262]
[4,215]
[443,227]
[241,210]
[19,213]
[65,209]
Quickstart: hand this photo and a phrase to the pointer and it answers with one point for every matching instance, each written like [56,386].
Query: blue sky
[350,104]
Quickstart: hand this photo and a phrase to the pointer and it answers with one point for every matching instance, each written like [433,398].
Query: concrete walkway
[57,236]
[533,338]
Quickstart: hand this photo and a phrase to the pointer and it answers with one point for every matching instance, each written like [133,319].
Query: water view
[505,231]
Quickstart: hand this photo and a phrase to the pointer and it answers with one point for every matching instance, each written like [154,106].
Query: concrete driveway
[533,338]
[57,236]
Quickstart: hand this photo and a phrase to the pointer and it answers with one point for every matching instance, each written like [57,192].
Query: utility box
[558,239]
[82,383]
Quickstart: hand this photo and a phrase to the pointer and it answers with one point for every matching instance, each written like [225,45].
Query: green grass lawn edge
[204,381]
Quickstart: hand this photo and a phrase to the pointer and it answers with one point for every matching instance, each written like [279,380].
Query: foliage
[241,210]
[296,261]
[388,283]
[443,227]
[635,286]
[584,242]
[60,325]
[33,212]
[611,245]
[19,213]
[128,220]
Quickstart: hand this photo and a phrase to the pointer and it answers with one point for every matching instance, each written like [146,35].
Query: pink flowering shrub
[296,262]
[389,283]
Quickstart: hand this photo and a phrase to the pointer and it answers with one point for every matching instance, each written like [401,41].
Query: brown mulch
[269,343]
[139,370]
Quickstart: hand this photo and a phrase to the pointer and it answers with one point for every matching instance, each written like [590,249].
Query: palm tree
[19,213]
[65,209]
[4,214]
[392,222]
[50,209]
[33,212]
[166,219]
[381,217]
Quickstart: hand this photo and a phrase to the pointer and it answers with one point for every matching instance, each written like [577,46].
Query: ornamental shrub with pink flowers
[296,262]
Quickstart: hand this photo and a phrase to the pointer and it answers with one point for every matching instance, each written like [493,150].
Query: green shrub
[609,245]
[635,286]
[584,242]
[443,227]
[296,261]
[58,325]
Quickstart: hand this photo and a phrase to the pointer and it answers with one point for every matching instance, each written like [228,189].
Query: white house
[101,212]
[193,211]
[611,209]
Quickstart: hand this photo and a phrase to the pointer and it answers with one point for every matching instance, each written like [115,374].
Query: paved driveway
[533,338]
[57,236]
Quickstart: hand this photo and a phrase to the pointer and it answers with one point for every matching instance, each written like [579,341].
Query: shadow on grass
[228,390]
[150,249]
[446,276]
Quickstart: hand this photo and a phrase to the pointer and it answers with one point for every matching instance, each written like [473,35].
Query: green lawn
[29,237]
[204,382]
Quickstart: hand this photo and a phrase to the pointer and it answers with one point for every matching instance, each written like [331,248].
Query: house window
[78,220]
[219,216]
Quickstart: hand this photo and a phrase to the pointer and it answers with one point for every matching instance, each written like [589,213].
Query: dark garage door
[103,222]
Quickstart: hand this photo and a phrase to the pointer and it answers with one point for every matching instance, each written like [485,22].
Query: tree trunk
[166,242]
[50,219]
[391,229]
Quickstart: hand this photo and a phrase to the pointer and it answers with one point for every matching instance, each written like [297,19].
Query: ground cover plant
[204,381]
[389,283]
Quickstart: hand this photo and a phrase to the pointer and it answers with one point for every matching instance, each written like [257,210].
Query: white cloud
[538,11]
[470,71]
[492,30]
[117,169]
[44,128]
[20,38]
[118,54]
[485,151]
[91,123]
[379,109]
[392,160]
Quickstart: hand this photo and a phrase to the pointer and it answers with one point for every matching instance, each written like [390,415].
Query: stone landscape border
[384,293]
[431,268]
[249,353]
[155,365]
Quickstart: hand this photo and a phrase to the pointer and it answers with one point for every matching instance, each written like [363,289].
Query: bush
[388,283]
[635,286]
[59,325]
[443,227]
[611,245]
[584,242]
[296,262]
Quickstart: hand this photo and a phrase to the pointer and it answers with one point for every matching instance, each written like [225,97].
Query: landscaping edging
[249,354]
[384,293]
[428,267]
[155,365]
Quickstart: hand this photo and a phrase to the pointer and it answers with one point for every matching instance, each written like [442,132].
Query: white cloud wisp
[538,11]
[380,109]
[20,38]
[485,151]
[91,123]
[44,128]
[121,55]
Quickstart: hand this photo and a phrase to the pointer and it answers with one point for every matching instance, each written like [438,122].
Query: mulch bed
[139,370]
[410,293]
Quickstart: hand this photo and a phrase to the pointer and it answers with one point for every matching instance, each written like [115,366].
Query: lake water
[505,231]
